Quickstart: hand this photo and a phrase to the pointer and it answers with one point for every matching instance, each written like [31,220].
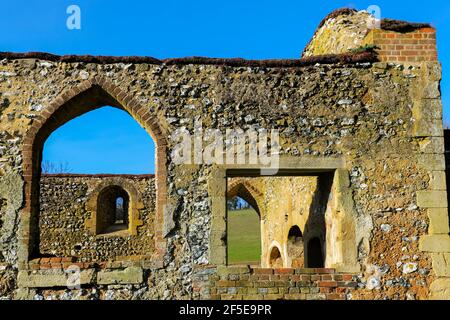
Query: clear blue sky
[106,140]
[256,29]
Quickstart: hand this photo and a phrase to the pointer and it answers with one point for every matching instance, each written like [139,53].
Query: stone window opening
[315,253]
[112,210]
[76,154]
[292,209]
[295,247]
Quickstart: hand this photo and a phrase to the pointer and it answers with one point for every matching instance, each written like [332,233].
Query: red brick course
[275,284]
[416,46]
[63,263]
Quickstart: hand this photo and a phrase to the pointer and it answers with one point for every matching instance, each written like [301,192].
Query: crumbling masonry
[360,121]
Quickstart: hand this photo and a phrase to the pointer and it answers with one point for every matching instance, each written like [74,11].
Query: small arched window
[295,234]
[112,210]
[114,207]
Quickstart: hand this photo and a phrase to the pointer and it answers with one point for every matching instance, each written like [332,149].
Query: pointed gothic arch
[247,191]
[87,96]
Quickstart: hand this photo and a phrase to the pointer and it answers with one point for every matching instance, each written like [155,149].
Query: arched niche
[275,259]
[102,206]
[295,247]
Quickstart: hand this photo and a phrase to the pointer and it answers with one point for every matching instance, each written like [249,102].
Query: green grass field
[244,237]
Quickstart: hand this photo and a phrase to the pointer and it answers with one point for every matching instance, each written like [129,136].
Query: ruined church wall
[357,114]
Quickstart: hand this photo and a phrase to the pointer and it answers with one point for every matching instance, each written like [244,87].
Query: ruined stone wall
[64,214]
[376,126]
[340,32]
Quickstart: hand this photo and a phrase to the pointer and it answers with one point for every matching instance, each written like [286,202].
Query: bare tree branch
[53,168]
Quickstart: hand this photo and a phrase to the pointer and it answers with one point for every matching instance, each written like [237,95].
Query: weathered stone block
[428,128]
[51,278]
[227,270]
[438,180]
[439,223]
[435,243]
[132,275]
[432,145]
[429,109]
[169,223]
[440,289]
[316,296]
[433,70]
[218,220]
[431,90]
[152,264]
[432,199]
[225,283]
[24,294]
[244,283]
[432,162]
[441,264]
[218,249]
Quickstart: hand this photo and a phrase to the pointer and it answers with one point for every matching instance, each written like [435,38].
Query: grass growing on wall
[244,237]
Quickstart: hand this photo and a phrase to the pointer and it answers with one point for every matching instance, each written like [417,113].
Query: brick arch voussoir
[237,182]
[41,119]
[134,107]
[127,101]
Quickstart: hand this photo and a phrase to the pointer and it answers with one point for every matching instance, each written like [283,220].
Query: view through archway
[243,233]
[106,143]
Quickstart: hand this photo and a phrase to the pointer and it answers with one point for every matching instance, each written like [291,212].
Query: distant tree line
[237,203]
